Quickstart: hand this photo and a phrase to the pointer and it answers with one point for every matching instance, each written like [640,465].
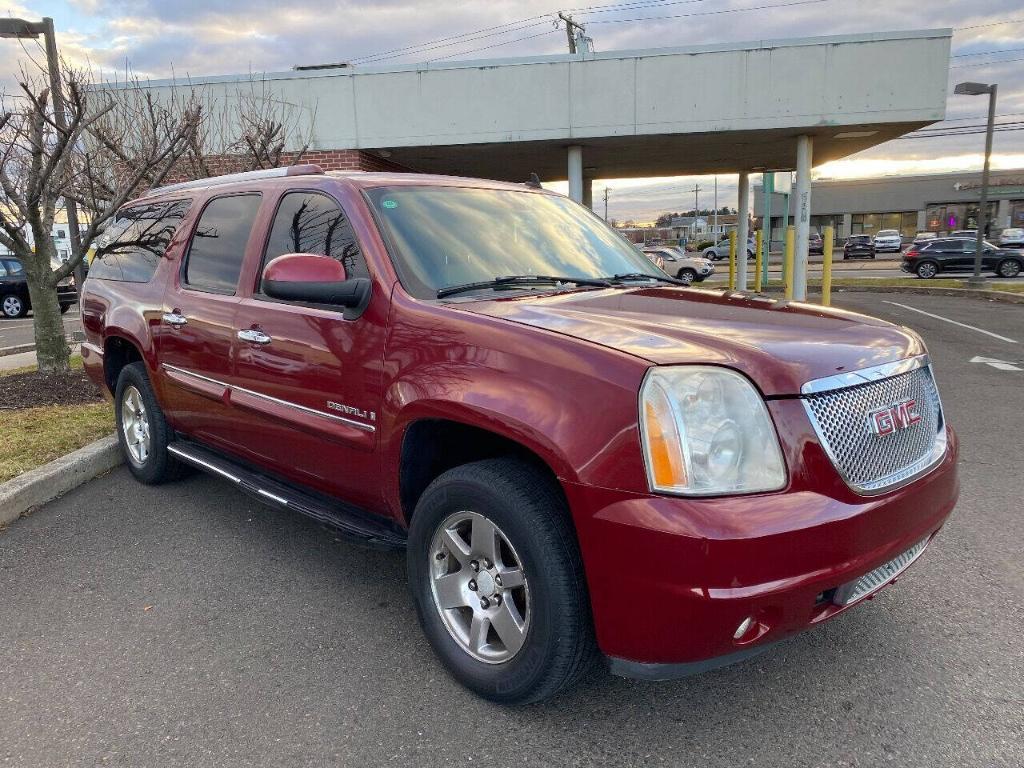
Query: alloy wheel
[135,426]
[479,588]
[1009,269]
[12,306]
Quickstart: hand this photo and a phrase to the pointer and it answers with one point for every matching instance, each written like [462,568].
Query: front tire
[142,430]
[926,270]
[13,306]
[687,275]
[1008,268]
[497,580]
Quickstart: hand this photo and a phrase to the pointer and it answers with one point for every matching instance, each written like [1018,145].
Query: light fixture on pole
[21,28]
[980,89]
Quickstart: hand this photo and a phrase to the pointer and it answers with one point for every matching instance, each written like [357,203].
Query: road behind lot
[188,625]
[16,332]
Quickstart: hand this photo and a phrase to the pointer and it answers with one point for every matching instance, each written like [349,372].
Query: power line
[986,63]
[708,13]
[997,129]
[992,24]
[986,53]
[494,45]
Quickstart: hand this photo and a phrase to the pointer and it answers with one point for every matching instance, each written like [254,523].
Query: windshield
[888,233]
[447,236]
[860,239]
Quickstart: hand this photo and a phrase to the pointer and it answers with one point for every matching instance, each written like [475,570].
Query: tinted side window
[131,247]
[310,222]
[14,267]
[218,244]
[3,270]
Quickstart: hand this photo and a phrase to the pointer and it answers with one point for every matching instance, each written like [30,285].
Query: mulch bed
[34,389]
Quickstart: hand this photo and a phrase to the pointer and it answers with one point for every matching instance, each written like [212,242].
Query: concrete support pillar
[588,193]
[802,215]
[848,225]
[922,221]
[742,231]
[1002,215]
[576,173]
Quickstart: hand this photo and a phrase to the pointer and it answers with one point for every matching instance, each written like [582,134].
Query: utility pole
[570,30]
[978,89]
[714,226]
[696,190]
[606,203]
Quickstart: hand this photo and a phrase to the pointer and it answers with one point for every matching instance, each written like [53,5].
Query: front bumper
[672,580]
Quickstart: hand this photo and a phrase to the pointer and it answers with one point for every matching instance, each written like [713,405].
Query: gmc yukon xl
[581,457]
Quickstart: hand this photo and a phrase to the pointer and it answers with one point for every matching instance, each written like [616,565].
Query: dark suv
[580,456]
[14,298]
[956,254]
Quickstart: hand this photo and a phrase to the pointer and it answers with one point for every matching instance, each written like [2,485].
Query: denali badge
[351,410]
[885,421]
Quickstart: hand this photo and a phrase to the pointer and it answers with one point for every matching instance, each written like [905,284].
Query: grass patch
[34,436]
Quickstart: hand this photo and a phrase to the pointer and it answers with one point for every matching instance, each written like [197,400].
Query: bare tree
[115,144]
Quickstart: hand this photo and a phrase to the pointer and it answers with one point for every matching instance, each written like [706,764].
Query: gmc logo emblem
[885,421]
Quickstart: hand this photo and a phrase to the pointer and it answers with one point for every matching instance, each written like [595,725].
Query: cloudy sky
[158,37]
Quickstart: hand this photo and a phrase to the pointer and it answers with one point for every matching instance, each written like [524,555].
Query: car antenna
[534,181]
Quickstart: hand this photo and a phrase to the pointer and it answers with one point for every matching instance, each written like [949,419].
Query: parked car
[887,240]
[815,244]
[576,454]
[962,233]
[721,249]
[1011,237]
[14,298]
[689,269]
[955,254]
[859,247]
[656,258]
[923,237]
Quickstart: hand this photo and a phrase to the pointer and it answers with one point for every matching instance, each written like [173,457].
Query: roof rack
[308,169]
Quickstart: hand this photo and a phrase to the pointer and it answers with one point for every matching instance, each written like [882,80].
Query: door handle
[254,336]
[174,319]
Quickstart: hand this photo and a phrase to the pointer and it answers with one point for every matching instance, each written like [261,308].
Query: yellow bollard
[758,261]
[787,265]
[732,260]
[827,236]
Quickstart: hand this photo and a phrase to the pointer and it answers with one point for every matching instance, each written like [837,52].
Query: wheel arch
[432,444]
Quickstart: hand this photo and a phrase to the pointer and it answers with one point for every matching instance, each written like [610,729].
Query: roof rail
[308,169]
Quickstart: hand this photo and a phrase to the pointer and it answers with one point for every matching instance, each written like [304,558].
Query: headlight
[706,431]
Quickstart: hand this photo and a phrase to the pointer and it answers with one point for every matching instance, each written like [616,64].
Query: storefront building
[939,203]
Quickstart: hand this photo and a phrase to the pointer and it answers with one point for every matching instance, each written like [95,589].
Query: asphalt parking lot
[188,625]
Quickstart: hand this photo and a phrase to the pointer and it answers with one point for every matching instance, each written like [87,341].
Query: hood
[779,345]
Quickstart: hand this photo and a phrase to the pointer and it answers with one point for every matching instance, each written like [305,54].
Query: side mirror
[314,279]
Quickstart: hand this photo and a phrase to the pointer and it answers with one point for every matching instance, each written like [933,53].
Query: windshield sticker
[390,204]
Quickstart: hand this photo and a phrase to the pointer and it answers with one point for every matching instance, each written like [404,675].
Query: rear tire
[926,270]
[549,641]
[142,430]
[13,306]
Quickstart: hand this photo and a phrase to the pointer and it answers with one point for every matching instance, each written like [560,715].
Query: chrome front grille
[874,580]
[840,409]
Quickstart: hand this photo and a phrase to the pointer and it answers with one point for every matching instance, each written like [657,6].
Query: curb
[45,483]
[973,293]
[17,349]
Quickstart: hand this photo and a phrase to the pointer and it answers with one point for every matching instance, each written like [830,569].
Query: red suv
[576,452]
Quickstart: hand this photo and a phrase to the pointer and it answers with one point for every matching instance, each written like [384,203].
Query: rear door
[308,389]
[198,323]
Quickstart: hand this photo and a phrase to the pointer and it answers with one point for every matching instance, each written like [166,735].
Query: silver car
[888,240]
[721,250]
[1011,237]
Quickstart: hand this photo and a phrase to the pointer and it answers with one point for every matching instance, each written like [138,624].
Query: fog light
[743,628]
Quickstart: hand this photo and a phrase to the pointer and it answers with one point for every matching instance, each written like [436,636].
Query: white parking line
[953,322]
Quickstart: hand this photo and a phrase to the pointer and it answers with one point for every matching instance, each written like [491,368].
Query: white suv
[689,269]
[888,240]
[1012,237]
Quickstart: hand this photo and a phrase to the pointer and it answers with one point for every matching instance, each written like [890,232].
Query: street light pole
[977,89]
[61,119]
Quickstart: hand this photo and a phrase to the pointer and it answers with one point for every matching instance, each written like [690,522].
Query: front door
[307,378]
[198,323]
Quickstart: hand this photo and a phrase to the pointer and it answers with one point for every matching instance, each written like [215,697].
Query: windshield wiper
[644,276]
[498,282]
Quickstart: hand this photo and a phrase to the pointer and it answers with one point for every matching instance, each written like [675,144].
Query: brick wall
[328,159]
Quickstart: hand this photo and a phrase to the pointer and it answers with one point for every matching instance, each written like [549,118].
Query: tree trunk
[52,351]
